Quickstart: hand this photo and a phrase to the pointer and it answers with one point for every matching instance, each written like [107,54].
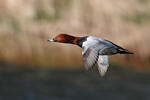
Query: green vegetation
[59,6]
[43,15]
[138,18]
[14,24]
[143,1]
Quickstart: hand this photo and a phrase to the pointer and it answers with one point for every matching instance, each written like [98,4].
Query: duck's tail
[124,51]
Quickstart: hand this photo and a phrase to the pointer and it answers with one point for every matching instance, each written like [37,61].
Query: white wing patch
[103,64]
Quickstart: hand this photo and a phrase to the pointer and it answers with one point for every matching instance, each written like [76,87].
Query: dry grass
[26,26]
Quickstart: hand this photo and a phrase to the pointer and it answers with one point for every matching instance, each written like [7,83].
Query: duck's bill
[51,41]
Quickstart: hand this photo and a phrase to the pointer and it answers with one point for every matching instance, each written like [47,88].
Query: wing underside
[90,57]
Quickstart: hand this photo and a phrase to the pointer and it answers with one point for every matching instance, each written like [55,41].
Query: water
[75,84]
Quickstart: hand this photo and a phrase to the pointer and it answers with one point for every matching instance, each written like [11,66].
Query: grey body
[96,50]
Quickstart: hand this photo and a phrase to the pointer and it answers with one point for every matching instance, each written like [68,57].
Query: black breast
[81,40]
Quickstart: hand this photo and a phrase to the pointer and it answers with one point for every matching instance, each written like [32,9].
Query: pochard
[94,50]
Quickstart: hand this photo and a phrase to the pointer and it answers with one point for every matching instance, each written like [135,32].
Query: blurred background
[33,69]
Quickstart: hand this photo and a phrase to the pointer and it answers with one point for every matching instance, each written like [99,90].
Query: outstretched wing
[92,48]
[103,64]
[90,57]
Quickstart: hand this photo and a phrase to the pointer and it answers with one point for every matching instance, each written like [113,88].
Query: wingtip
[124,51]
[102,72]
[130,53]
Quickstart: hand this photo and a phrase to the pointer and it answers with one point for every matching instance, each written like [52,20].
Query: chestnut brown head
[64,38]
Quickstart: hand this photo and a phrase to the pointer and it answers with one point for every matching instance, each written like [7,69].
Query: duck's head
[64,38]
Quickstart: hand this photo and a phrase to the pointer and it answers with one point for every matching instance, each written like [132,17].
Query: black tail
[124,51]
[121,50]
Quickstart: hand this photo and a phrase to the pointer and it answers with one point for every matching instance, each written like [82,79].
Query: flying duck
[94,50]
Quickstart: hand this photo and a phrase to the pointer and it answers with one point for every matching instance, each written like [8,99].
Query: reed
[26,26]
